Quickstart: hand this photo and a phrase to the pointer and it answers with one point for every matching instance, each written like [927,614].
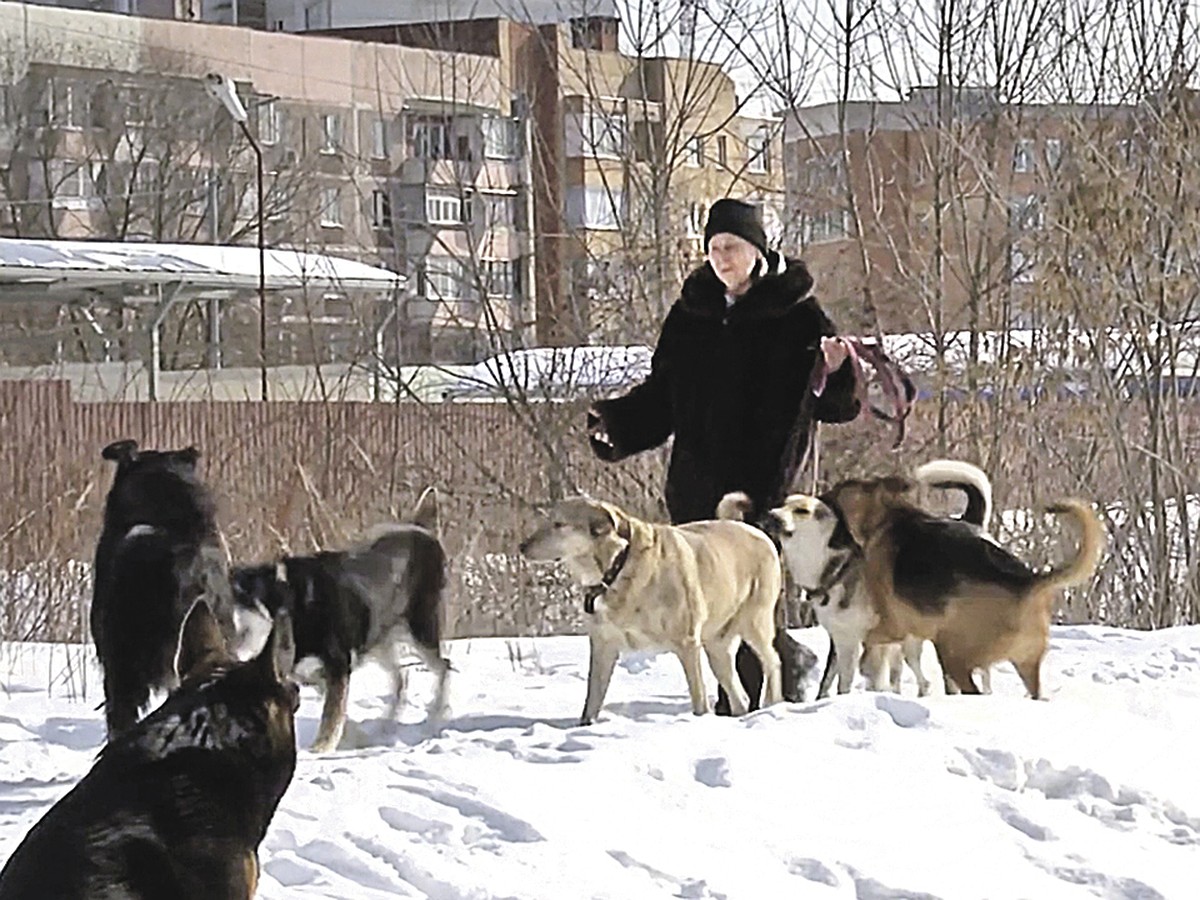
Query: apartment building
[157,9]
[404,157]
[536,184]
[627,150]
[251,13]
[943,211]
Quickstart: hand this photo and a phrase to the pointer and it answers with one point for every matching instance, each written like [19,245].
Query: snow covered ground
[1093,793]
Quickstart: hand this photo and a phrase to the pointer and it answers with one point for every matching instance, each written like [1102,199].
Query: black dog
[176,808]
[349,603]
[796,661]
[158,553]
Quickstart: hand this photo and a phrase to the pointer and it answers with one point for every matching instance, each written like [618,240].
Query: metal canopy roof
[56,270]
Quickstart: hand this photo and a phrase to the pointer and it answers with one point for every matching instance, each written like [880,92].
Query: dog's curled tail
[425,513]
[1091,546]
[968,478]
[736,506]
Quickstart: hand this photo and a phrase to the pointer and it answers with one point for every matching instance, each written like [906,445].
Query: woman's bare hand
[598,436]
[835,351]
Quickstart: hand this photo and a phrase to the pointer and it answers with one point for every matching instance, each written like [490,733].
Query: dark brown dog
[939,579]
[177,806]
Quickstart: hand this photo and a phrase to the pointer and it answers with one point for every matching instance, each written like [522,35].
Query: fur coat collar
[786,283]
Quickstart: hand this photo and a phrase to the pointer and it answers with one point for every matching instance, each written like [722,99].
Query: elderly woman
[731,379]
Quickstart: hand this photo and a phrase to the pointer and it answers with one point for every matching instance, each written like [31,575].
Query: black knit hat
[729,216]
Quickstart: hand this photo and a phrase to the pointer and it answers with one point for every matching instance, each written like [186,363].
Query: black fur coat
[733,387]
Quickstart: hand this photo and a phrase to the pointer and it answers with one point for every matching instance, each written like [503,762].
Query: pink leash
[899,389]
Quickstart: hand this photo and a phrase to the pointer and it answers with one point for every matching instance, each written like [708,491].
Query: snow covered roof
[545,372]
[1046,348]
[50,268]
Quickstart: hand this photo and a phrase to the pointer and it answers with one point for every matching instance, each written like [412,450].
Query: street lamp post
[222,88]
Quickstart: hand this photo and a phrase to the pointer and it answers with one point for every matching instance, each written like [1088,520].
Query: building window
[1026,213]
[143,180]
[595,207]
[331,133]
[758,149]
[316,15]
[379,141]
[1020,266]
[134,102]
[722,151]
[72,181]
[829,225]
[596,135]
[1054,149]
[268,122]
[500,210]
[823,175]
[443,209]
[247,208]
[695,219]
[331,207]
[443,279]
[499,277]
[68,104]
[441,137]
[693,151]
[590,33]
[381,210]
[500,137]
[1023,155]
[430,138]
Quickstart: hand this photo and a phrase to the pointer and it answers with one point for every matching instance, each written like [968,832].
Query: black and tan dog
[941,580]
[175,808]
[825,561]
[367,600]
[157,554]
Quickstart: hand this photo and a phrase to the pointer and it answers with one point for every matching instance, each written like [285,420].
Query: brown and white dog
[938,579]
[683,588]
[825,561]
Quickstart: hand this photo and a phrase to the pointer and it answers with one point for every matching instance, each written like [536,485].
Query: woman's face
[733,259]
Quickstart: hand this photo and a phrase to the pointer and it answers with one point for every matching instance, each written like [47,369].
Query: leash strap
[816,456]
[898,387]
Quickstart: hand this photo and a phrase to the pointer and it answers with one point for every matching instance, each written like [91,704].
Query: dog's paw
[325,745]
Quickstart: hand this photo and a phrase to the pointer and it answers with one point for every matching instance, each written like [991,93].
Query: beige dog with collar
[681,588]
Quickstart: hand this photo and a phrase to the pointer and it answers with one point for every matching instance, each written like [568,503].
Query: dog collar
[592,592]
[831,576]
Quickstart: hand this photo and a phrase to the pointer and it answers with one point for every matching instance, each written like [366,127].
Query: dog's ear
[188,455]
[897,484]
[278,658]
[201,644]
[120,451]
[425,513]
[601,520]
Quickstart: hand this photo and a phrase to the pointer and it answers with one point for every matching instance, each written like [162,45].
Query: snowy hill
[1093,793]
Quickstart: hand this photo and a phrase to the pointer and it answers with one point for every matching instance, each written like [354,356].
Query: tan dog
[939,579]
[681,588]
